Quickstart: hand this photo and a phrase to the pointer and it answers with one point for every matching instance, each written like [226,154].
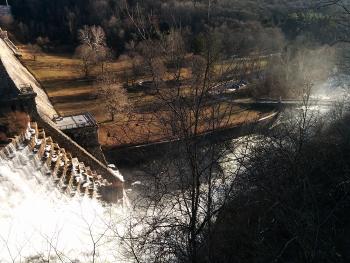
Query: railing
[90,122]
[8,42]
[12,46]
[295,102]
[90,118]
[73,126]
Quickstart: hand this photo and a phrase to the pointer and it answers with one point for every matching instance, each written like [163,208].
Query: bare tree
[187,188]
[136,70]
[113,95]
[88,58]
[42,41]
[289,206]
[93,48]
[35,50]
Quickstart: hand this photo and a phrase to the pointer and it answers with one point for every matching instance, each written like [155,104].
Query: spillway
[43,221]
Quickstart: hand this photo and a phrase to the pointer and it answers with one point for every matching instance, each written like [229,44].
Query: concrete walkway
[22,77]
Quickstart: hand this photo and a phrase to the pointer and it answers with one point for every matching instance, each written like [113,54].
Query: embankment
[131,155]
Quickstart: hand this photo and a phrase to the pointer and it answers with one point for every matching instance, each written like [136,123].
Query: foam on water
[38,221]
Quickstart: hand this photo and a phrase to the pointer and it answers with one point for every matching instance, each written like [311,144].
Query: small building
[75,121]
[83,129]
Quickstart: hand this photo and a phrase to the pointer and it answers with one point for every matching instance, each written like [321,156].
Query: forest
[240,21]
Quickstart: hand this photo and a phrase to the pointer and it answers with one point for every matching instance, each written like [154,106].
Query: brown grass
[70,93]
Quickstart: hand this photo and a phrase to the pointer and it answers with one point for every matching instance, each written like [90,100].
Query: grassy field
[70,93]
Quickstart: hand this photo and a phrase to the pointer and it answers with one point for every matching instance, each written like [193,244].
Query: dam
[21,92]
[50,213]
[56,196]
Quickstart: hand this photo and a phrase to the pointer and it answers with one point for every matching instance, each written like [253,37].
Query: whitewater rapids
[38,223]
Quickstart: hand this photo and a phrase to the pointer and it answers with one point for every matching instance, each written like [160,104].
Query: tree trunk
[86,71]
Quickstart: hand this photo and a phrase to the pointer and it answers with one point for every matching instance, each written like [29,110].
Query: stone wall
[20,76]
[87,137]
[7,88]
[11,99]
[116,191]
[141,153]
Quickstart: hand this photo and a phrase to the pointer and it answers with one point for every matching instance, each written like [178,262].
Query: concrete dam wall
[18,77]
[69,174]
[20,91]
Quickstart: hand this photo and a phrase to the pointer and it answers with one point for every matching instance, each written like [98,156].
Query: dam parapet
[15,77]
[10,44]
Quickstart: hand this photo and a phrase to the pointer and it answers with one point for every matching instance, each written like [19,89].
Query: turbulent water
[335,88]
[40,224]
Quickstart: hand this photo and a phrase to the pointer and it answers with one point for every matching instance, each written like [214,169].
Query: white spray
[38,223]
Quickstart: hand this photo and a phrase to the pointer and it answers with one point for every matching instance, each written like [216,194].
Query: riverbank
[137,154]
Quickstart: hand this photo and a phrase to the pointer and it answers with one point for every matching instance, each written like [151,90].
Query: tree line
[241,22]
